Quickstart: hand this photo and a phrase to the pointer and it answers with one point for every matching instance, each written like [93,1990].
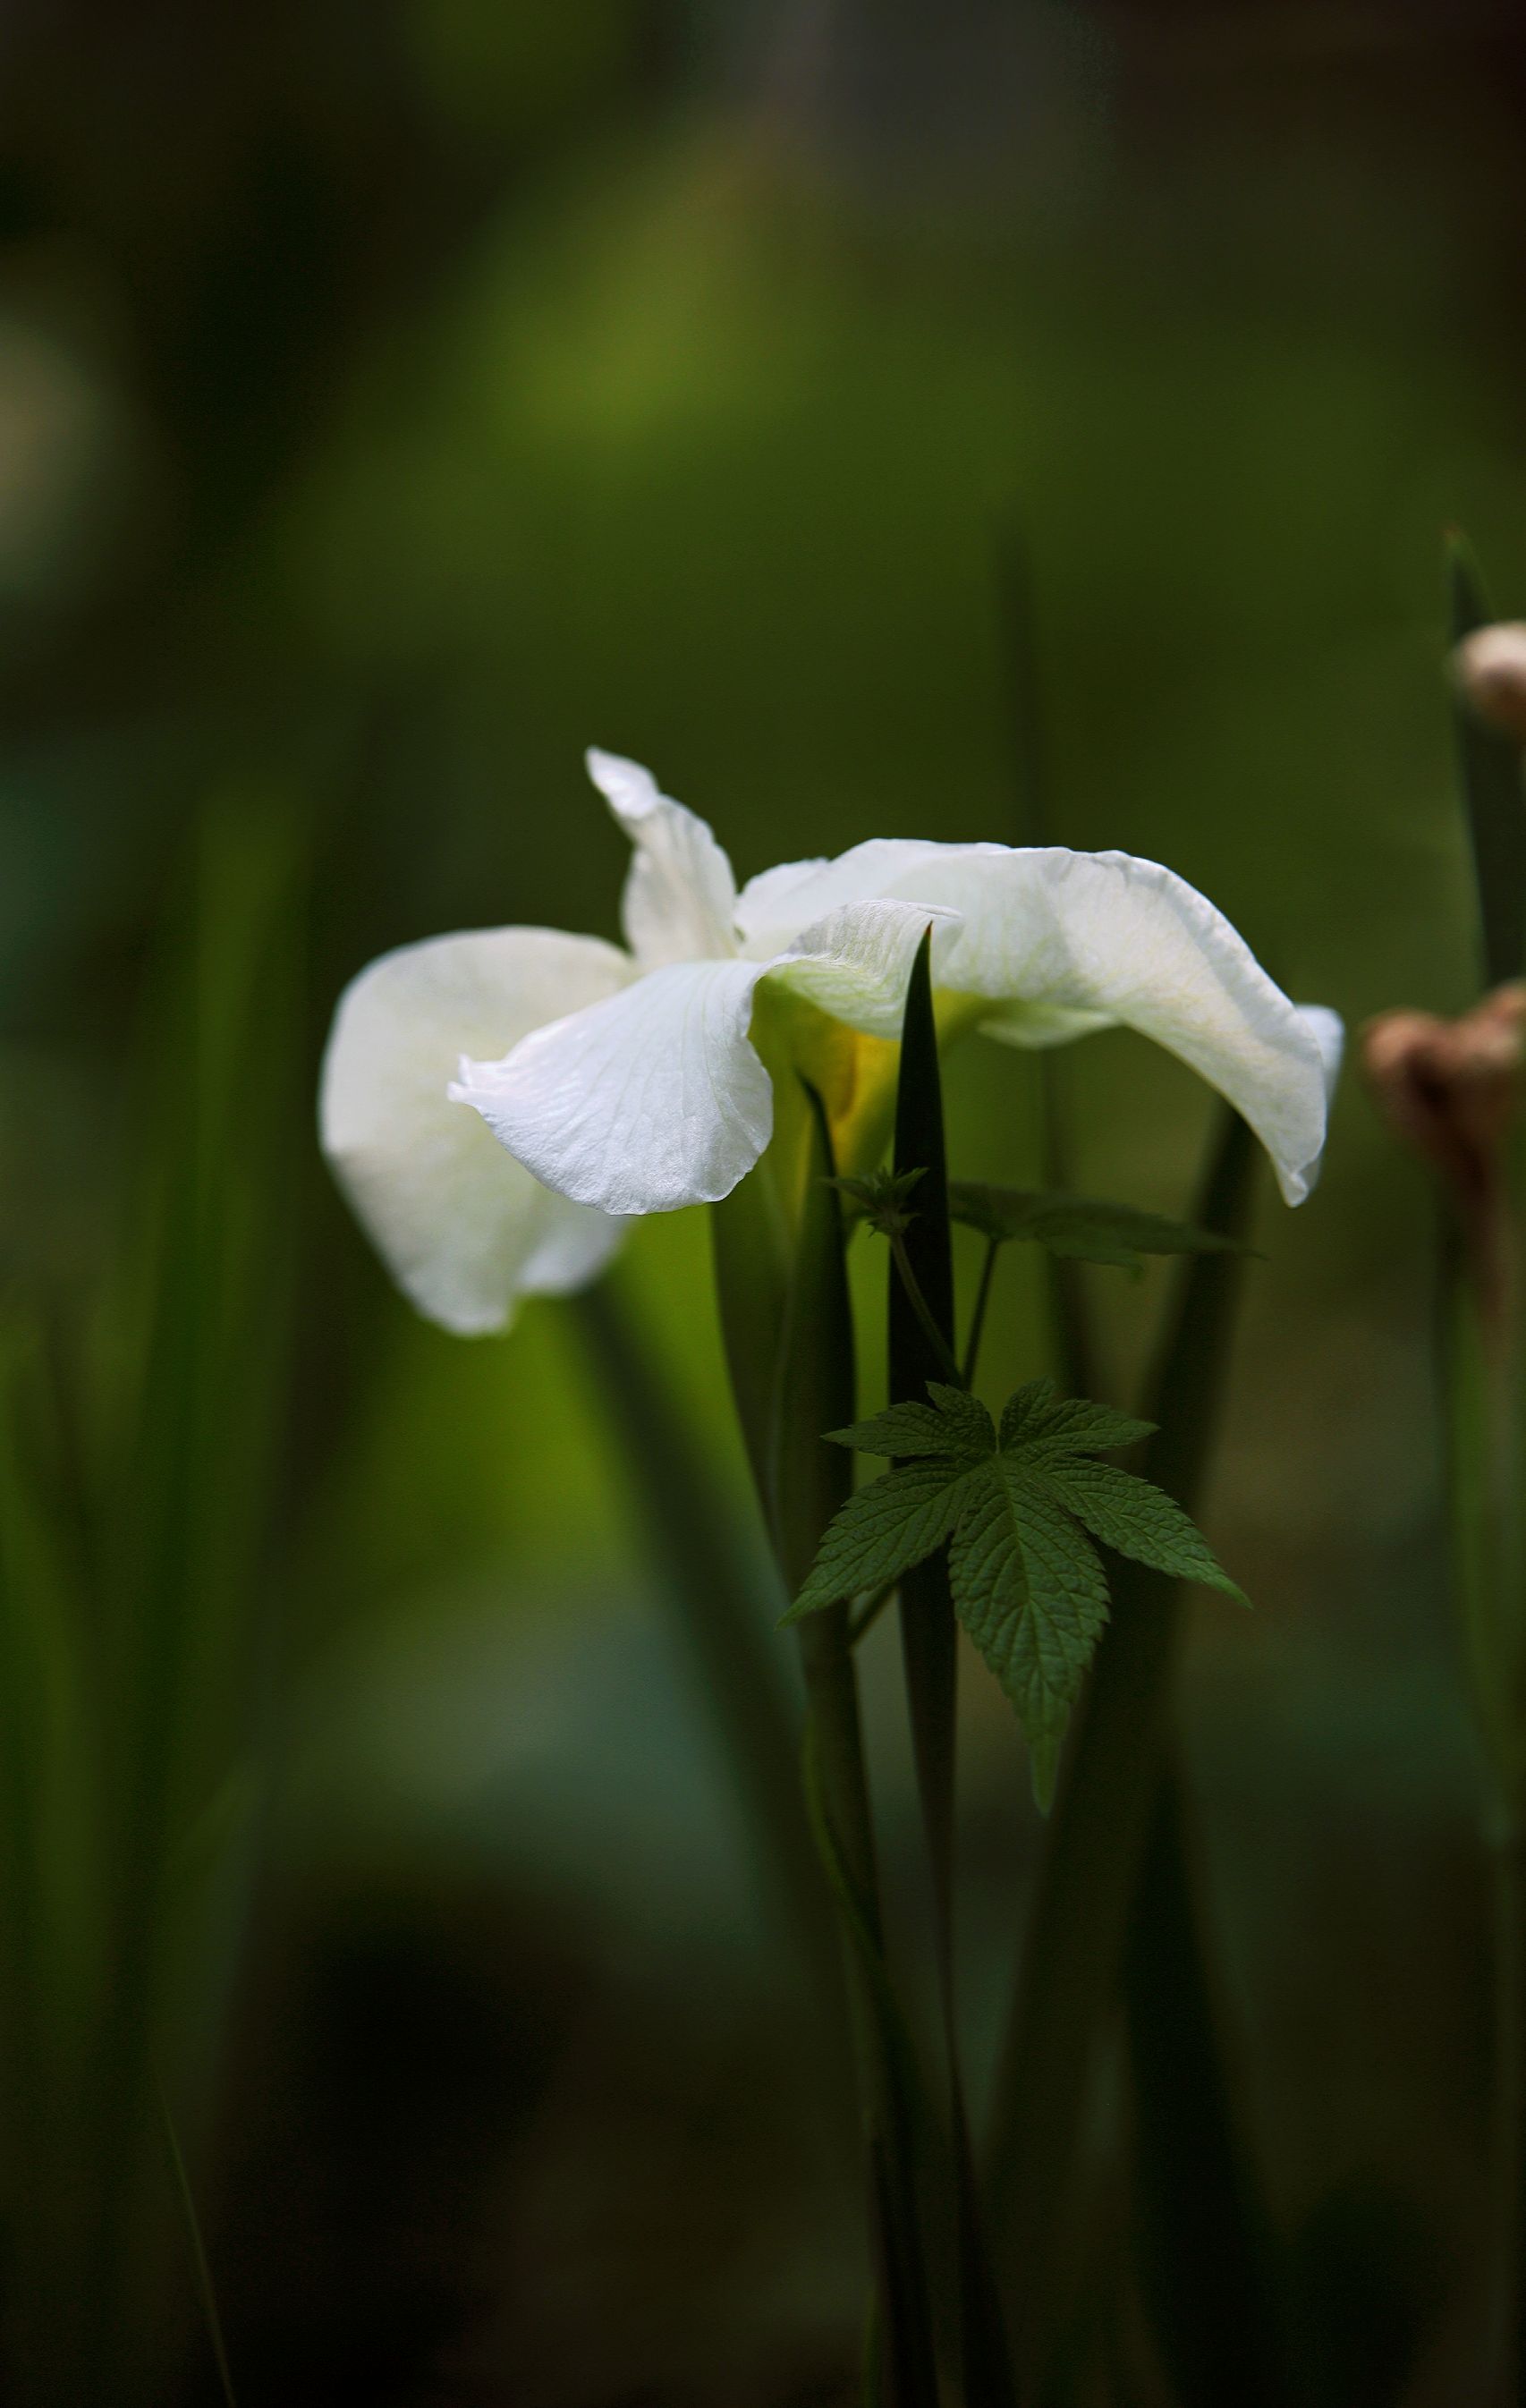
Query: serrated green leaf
[1020,1511]
[1081,1229]
[1030,1590]
[883,1198]
[1137,1519]
[953,1424]
[883,1531]
[1036,1414]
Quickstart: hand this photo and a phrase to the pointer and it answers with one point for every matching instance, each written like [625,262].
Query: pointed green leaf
[884,1529]
[954,1425]
[1036,1414]
[1137,1519]
[1030,1590]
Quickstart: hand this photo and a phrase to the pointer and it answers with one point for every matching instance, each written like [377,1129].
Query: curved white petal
[773,907]
[1064,942]
[463,1228]
[1329,1033]
[649,1100]
[855,963]
[1105,937]
[680,894]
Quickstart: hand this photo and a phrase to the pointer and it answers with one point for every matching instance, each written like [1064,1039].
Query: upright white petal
[680,894]
[463,1228]
[649,1100]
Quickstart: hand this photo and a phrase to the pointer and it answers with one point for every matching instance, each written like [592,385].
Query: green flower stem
[977,1317]
[786,1318]
[1199,2231]
[1482,1366]
[939,1347]
[1480,1375]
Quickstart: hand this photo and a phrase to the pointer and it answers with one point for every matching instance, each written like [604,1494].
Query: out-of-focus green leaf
[185,1620]
[719,1604]
[1080,1229]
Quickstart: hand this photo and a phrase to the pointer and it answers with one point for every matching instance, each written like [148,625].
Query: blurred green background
[874,418]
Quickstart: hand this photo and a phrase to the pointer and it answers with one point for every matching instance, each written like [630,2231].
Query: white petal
[855,963]
[773,907]
[1329,1033]
[680,895]
[462,1228]
[1105,937]
[652,1099]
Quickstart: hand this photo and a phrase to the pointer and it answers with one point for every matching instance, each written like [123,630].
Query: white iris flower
[617,1083]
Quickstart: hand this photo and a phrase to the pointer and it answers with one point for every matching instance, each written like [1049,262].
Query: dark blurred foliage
[869,415]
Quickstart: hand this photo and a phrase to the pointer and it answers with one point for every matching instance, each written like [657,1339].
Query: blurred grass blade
[1074,1950]
[195,2242]
[929,1650]
[1490,767]
[723,1615]
[198,1340]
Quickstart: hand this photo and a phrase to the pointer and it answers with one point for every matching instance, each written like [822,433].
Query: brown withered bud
[1490,669]
[1451,1089]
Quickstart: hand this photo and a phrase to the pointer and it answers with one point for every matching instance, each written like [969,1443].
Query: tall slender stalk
[1479,1378]
[1481,1367]
[787,1321]
[1198,2228]
[1509,2286]
[921,1349]
[1100,1832]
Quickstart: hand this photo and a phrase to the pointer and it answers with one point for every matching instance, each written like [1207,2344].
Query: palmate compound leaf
[1084,1228]
[1019,1509]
